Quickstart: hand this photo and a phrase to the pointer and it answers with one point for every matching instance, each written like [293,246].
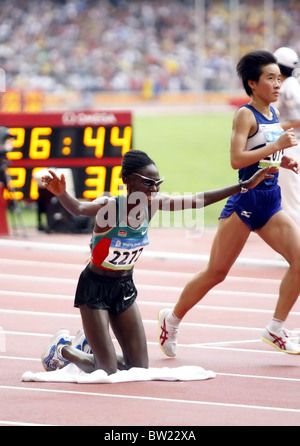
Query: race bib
[124,253]
[272,160]
[272,134]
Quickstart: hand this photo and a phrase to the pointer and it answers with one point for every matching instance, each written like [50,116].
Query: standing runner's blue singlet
[268,131]
[258,205]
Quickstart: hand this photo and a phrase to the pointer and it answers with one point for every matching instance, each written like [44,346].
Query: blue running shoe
[81,343]
[52,358]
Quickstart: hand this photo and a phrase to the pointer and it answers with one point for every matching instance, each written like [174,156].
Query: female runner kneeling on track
[106,292]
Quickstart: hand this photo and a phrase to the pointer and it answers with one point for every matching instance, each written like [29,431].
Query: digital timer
[89,143]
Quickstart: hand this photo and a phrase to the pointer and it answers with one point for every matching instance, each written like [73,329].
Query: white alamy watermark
[167,211]
[2,340]
[2,81]
[180,211]
[296,73]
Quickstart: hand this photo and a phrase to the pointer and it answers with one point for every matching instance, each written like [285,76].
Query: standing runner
[106,294]
[257,140]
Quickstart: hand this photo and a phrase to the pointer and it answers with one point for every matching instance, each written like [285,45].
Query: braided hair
[133,161]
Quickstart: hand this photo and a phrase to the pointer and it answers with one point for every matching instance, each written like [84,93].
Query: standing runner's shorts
[114,294]
[256,207]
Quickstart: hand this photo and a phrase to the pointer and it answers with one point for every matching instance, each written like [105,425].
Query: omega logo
[82,118]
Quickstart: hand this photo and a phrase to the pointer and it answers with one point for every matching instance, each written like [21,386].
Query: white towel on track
[73,374]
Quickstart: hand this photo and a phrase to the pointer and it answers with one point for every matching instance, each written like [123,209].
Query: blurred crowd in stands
[122,45]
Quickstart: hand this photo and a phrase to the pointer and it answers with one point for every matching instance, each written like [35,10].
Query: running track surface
[254,386]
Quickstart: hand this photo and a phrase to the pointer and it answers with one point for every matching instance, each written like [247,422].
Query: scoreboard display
[89,143]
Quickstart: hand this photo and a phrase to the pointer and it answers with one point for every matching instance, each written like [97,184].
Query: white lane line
[146,321]
[67,247]
[221,346]
[137,271]
[39,314]
[204,344]
[34,279]
[231,375]
[20,423]
[156,288]
[41,296]
[141,303]
[148,398]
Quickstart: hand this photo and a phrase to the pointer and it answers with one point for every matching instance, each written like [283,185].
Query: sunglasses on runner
[149,182]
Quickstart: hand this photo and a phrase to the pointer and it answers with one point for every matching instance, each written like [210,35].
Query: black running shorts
[114,294]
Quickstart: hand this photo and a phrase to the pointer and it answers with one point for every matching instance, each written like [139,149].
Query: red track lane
[255,385]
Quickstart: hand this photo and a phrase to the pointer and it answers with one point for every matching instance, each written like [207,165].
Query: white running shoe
[51,356]
[281,341]
[167,334]
[81,343]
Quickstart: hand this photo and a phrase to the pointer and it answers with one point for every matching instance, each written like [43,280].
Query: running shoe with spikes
[52,358]
[167,334]
[81,343]
[281,341]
